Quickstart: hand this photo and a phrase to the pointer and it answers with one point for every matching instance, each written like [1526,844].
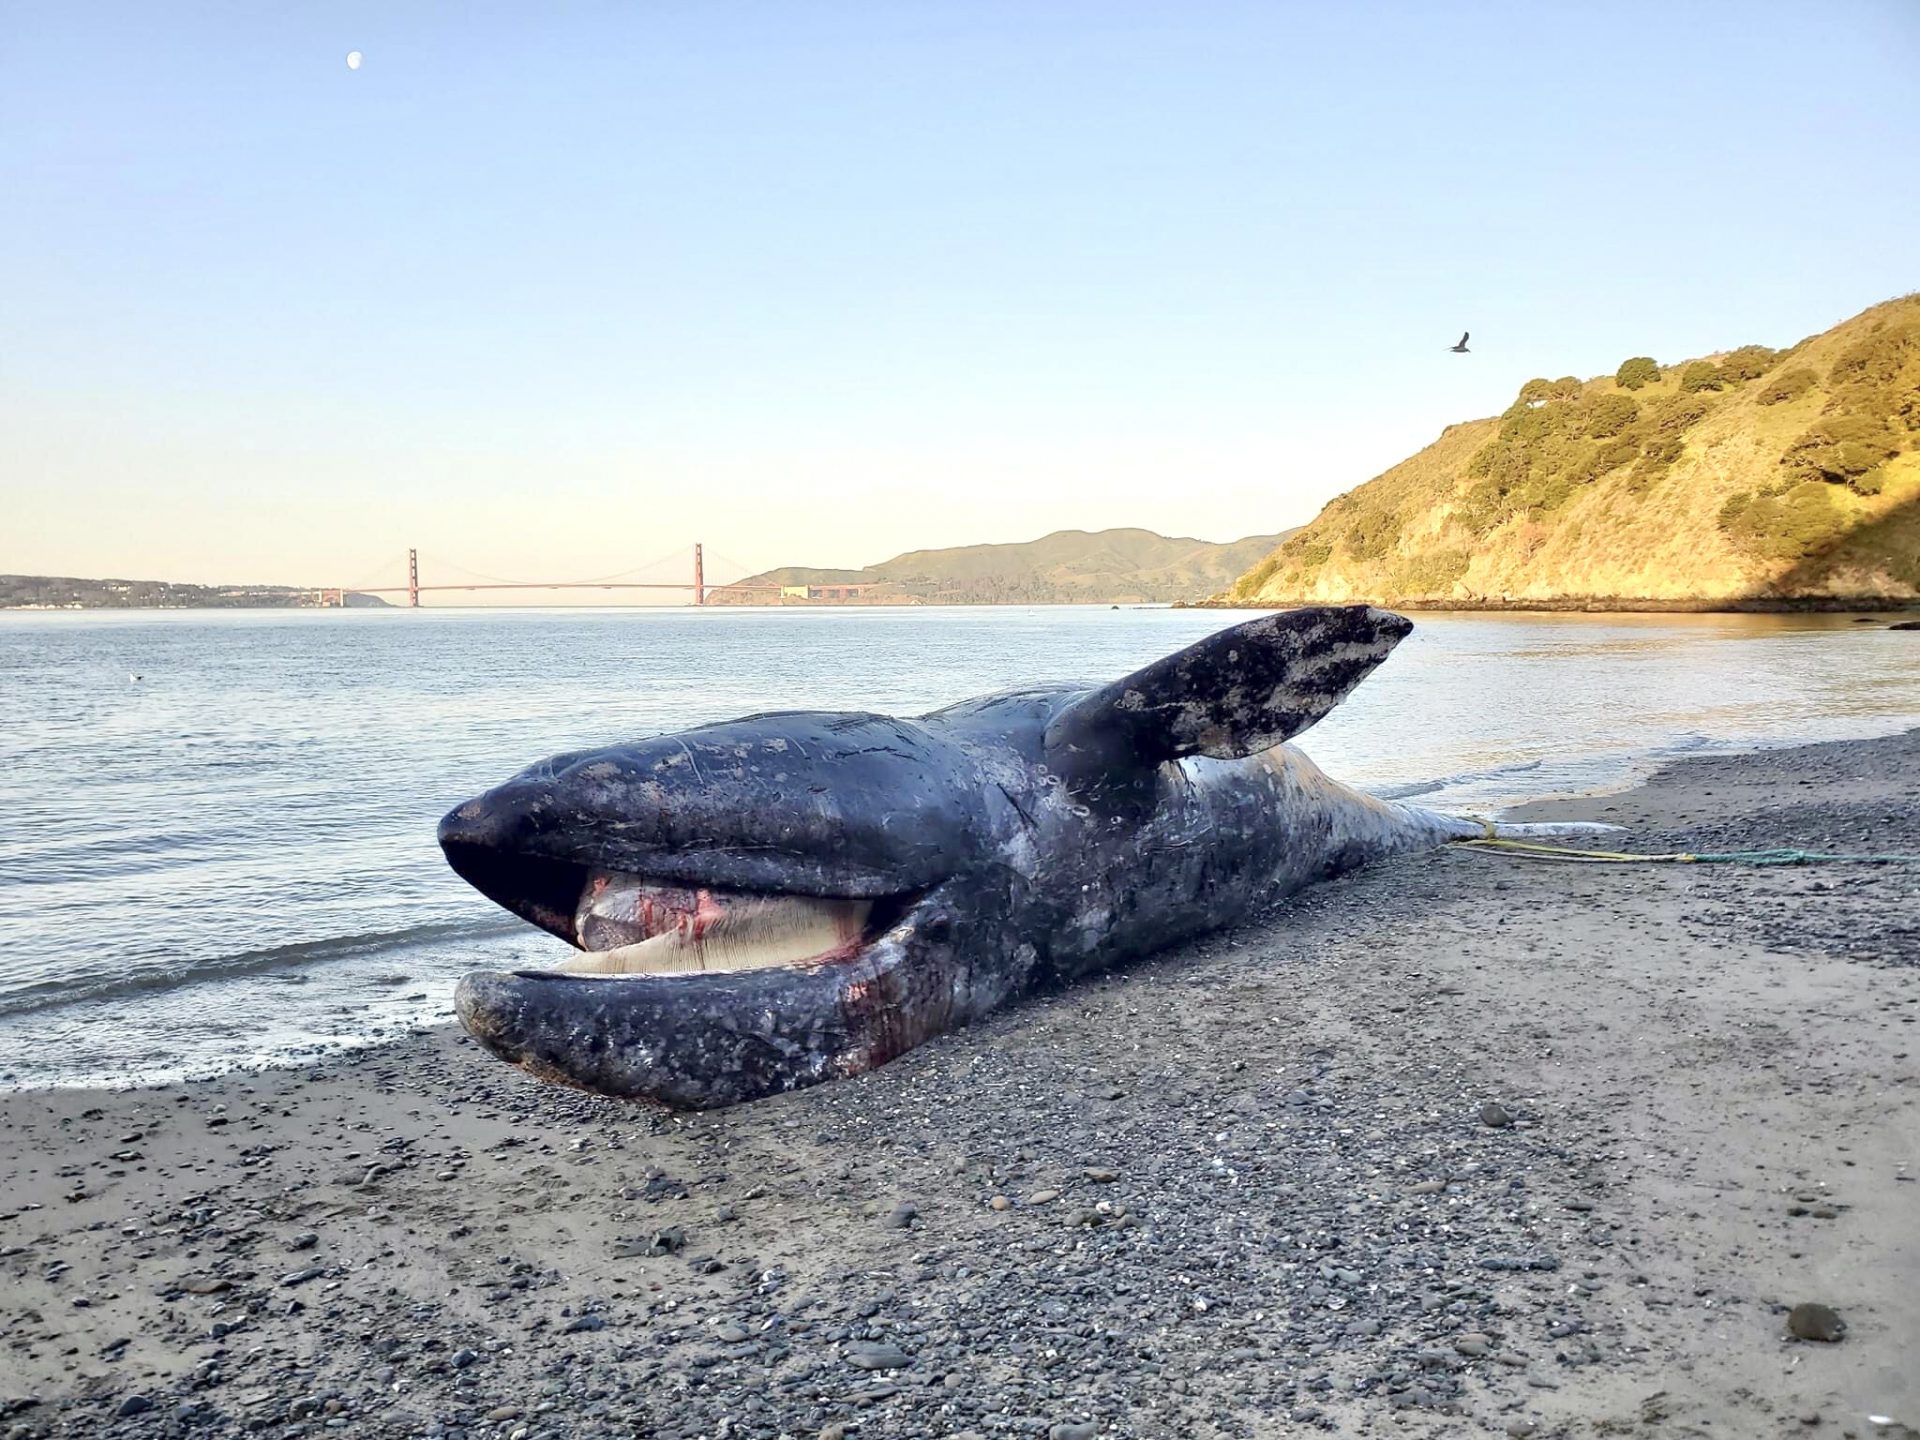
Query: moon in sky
[353,59]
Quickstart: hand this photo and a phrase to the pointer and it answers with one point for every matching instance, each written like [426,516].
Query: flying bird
[1461,348]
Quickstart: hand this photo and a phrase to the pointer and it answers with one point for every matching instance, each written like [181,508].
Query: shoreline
[1278,1201]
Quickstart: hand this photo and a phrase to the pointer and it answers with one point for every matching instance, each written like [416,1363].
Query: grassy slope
[1526,508]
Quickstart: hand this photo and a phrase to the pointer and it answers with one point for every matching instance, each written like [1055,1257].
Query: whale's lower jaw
[699,1049]
[698,1039]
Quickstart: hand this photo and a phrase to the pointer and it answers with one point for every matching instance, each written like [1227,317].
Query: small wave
[1415,788]
[53,994]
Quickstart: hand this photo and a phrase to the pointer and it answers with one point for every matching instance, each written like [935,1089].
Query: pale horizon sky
[554,291]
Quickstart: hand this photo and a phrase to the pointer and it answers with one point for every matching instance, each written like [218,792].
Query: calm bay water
[231,860]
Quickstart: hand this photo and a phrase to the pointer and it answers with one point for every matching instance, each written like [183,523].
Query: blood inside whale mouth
[628,925]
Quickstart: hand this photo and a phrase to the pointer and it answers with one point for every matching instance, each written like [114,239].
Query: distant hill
[1066,567]
[67,592]
[1754,477]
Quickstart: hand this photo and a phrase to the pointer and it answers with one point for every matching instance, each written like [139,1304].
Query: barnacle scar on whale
[790,898]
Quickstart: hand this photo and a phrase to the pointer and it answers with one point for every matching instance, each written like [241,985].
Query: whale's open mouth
[626,924]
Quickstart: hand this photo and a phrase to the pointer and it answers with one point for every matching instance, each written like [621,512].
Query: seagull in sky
[1461,348]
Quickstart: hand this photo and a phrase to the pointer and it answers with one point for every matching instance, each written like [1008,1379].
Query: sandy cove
[1459,1145]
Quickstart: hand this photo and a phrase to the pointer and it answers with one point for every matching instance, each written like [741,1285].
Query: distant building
[825,592]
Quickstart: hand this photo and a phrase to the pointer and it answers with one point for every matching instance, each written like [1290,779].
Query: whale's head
[755,906]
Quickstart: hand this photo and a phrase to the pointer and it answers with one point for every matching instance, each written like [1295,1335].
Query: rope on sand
[1527,850]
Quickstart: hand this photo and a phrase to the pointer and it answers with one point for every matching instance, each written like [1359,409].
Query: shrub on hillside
[1248,585]
[1787,385]
[1604,459]
[1749,362]
[1640,370]
[1841,448]
[1565,388]
[1701,375]
[1790,526]
[1371,536]
[1678,413]
[1609,415]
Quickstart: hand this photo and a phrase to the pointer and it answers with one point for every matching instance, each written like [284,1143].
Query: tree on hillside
[1640,370]
[1748,362]
[1609,415]
[1701,375]
[1843,449]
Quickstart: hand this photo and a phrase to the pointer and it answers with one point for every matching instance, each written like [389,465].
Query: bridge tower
[413,578]
[699,574]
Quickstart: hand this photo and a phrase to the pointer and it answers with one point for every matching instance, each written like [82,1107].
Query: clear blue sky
[553,290]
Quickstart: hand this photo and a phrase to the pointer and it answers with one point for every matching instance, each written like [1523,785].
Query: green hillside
[1066,567]
[1753,477]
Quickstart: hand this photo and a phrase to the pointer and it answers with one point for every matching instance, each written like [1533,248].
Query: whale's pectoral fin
[1228,696]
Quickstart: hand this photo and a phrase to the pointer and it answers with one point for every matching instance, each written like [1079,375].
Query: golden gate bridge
[694,583]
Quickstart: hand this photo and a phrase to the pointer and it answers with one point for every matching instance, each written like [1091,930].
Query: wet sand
[1459,1145]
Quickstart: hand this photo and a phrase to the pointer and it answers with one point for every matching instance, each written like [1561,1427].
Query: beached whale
[784,899]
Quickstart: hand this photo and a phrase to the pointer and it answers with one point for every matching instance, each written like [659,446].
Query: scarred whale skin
[1009,843]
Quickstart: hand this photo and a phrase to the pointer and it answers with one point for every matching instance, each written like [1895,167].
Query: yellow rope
[1562,852]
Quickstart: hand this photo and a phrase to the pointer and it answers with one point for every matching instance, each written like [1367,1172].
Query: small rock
[505,1412]
[1813,1321]
[902,1216]
[1000,1202]
[461,1359]
[1495,1114]
[1472,1343]
[1043,1197]
[581,1323]
[1099,1175]
[835,1431]
[870,1355]
[306,1240]
[134,1405]
[1073,1430]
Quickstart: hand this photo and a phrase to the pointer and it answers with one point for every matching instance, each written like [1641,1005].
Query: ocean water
[230,860]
